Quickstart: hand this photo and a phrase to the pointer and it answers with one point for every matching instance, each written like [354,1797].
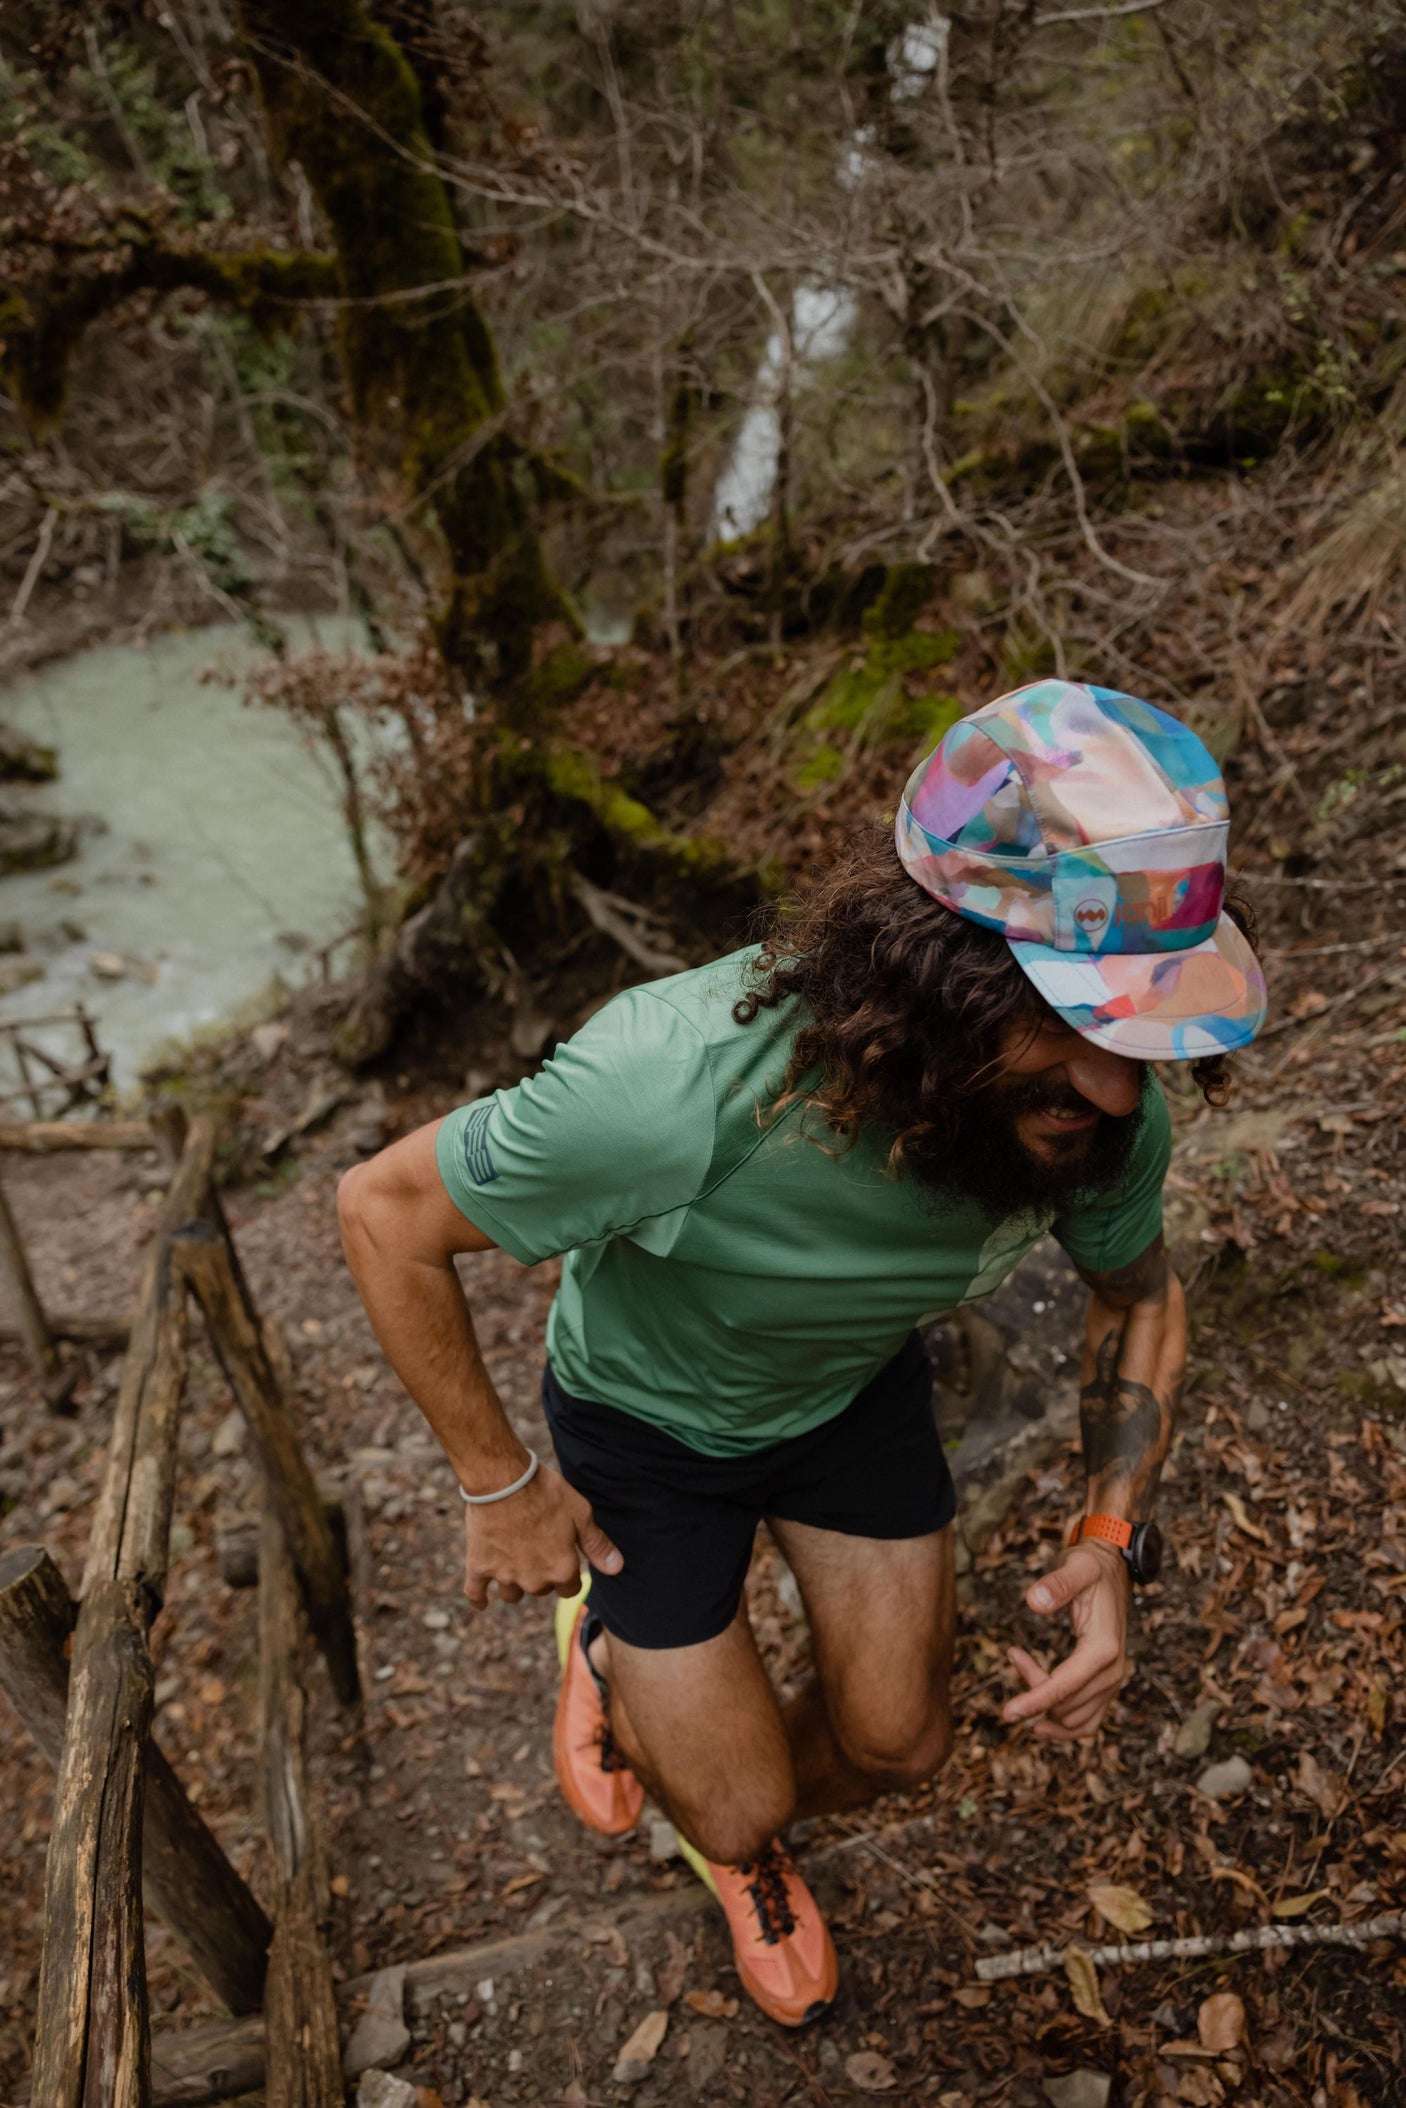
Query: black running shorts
[685,1521]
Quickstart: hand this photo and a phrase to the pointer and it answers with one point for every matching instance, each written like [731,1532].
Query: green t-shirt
[726,1278]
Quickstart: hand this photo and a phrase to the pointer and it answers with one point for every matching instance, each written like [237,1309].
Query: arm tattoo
[1125,1425]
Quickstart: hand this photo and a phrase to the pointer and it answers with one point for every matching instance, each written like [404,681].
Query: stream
[218,862]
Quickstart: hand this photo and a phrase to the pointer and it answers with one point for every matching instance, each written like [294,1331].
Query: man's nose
[1110,1081]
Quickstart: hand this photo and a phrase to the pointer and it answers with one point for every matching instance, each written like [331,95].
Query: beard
[989,1164]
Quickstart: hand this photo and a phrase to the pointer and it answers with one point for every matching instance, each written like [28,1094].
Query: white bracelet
[486,1500]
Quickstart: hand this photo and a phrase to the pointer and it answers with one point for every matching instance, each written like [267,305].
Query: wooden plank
[302,2048]
[211,1266]
[53,1137]
[92,2038]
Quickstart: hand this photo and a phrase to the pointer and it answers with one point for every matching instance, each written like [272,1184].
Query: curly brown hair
[909,1004]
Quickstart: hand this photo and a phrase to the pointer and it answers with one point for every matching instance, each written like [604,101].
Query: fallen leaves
[711,2004]
[1083,1984]
[1127,1911]
[1220,2021]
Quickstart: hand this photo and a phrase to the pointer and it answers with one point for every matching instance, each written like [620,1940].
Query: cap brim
[1156,1006]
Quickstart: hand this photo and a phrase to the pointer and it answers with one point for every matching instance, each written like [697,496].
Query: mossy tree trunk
[343,101]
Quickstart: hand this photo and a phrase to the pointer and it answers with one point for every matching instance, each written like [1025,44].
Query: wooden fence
[81,1679]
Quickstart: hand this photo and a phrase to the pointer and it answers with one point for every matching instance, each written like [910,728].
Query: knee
[733,1835]
[892,1755]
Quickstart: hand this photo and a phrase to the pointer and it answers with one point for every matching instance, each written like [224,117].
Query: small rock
[458,2034]
[18,971]
[380,2089]
[65,1492]
[228,1438]
[267,1039]
[1193,1737]
[73,930]
[531,1030]
[1220,1781]
[663,1844]
[1078,2089]
[108,966]
[380,2036]
[642,2048]
[1257,1417]
[435,1621]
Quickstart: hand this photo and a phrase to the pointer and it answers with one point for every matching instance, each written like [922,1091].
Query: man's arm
[1134,1368]
[400,1232]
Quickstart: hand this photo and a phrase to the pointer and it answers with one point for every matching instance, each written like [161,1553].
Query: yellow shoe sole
[567,1607]
[696,1860]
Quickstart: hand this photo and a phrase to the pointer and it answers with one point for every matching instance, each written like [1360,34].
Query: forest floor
[1276,1638]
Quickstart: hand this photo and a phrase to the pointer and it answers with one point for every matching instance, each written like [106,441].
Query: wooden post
[92,2035]
[186,1877]
[210,1265]
[19,1284]
[302,2048]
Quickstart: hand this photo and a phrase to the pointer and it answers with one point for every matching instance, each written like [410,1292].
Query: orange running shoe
[785,1956]
[597,1783]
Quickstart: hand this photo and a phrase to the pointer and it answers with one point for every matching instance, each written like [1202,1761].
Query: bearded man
[764,1174]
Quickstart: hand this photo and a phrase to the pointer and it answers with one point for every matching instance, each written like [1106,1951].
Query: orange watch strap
[1113,1529]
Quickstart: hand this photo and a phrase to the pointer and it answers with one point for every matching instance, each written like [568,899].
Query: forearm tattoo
[1134,1369]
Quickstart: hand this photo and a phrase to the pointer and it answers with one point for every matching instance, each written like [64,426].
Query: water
[223,838]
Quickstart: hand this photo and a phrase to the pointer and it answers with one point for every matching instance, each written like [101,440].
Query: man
[764,1174]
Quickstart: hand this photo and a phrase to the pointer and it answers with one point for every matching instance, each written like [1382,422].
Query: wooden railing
[82,1682]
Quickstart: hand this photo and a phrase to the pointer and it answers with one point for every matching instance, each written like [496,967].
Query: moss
[824,764]
[903,597]
[558,677]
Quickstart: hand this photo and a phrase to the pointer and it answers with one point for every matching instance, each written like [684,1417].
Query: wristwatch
[1139,1542]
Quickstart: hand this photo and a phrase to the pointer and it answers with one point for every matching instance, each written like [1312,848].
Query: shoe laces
[766,1879]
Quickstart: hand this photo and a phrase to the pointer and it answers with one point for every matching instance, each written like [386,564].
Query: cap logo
[1091,915]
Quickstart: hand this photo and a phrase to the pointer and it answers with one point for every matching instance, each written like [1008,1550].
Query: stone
[228,1438]
[31,841]
[663,1844]
[267,1039]
[1193,1737]
[18,971]
[381,2089]
[1257,1416]
[1078,2089]
[380,2036]
[1219,1782]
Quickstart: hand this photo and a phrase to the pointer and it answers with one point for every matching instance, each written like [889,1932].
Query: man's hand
[1068,1703]
[533,1543]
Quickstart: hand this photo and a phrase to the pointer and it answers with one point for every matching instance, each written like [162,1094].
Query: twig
[1255,1939]
[608,912]
[1316,1017]
[32,569]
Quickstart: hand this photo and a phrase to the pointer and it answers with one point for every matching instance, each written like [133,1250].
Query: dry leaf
[1200,2088]
[1299,1906]
[642,2048]
[1124,1908]
[575,2096]
[1321,1788]
[1083,1982]
[1242,1520]
[522,1881]
[711,2004]
[973,1996]
[1220,2021]
[670,1975]
[870,2072]
[340,1885]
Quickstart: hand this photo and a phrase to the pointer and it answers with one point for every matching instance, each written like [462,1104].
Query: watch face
[1146,1550]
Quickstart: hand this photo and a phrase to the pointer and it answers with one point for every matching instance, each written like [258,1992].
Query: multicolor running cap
[1091,830]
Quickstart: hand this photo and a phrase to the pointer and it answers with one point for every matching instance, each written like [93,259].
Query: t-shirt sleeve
[617,1127]
[1115,1231]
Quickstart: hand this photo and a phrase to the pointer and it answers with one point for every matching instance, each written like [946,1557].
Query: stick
[46,1137]
[19,1284]
[605,911]
[209,1263]
[1037,1961]
[302,2047]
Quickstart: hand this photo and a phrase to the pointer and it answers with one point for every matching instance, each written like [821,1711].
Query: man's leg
[882,1615]
[702,1729]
